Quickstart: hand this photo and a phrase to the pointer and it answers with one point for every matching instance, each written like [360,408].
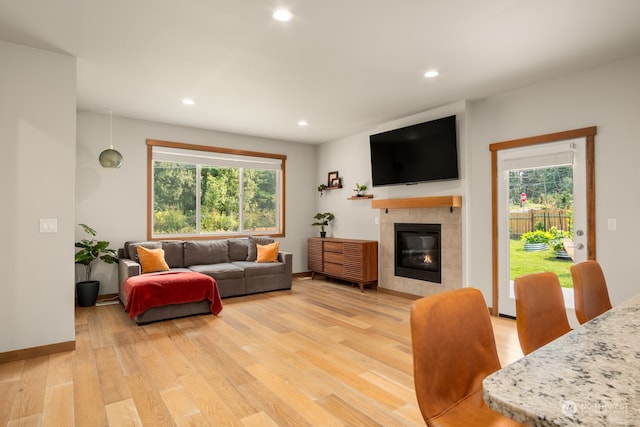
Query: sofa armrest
[287,259]
[127,268]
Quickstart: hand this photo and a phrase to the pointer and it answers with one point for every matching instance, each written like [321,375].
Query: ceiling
[344,66]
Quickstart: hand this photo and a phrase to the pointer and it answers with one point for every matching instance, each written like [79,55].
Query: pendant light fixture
[110,158]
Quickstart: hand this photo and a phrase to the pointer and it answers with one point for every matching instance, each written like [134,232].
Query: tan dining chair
[590,292]
[454,349]
[540,313]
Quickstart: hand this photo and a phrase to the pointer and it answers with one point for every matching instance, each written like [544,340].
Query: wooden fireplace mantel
[418,202]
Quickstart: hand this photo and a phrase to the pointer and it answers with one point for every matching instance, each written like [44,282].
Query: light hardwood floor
[323,354]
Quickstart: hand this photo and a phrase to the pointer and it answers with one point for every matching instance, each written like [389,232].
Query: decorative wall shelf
[419,202]
[363,197]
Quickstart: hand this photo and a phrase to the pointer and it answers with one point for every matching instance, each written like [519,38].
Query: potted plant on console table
[90,251]
[322,220]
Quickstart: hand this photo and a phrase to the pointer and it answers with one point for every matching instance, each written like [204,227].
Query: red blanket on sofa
[160,289]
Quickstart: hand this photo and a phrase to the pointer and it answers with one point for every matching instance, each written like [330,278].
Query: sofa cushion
[252,254]
[254,269]
[219,271]
[268,253]
[173,253]
[131,248]
[238,249]
[197,252]
[152,260]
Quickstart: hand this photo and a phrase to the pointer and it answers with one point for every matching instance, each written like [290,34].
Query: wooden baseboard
[302,274]
[45,350]
[107,297]
[398,293]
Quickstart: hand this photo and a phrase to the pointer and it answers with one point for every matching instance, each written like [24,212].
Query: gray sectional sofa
[231,262]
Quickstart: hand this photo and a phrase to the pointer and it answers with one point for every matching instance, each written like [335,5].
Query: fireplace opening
[417,251]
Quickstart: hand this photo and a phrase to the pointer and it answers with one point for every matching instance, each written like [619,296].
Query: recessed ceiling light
[188,101]
[431,73]
[302,123]
[282,15]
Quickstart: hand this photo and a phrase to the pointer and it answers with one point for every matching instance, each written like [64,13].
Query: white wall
[37,130]
[38,127]
[114,201]
[351,158]
[607,97]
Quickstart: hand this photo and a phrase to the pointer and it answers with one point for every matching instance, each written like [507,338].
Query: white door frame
[589,135]
[552,154]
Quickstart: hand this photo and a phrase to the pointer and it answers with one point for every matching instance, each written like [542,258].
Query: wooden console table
[352,260]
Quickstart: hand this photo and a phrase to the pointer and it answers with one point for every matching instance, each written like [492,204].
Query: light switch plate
[611,224]
[48,225]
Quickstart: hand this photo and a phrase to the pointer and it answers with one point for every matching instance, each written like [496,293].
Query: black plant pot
[87,293]
[323,234]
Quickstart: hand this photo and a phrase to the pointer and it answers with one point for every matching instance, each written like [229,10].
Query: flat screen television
[418,153]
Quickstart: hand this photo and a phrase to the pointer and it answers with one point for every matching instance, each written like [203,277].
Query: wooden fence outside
[521,222]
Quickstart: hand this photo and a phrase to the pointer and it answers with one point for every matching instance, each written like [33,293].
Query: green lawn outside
[524,262]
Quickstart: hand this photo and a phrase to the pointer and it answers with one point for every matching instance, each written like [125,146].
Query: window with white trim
[201,191]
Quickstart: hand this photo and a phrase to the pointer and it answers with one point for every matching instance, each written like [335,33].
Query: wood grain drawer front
[333,269]
[361,261]
[314,255]
[334,257]
[353,268]
[352,260]
[333,247]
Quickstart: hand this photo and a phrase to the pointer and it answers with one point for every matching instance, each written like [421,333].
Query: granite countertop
[588,377]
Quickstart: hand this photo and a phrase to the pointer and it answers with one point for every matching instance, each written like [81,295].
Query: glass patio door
[531,179]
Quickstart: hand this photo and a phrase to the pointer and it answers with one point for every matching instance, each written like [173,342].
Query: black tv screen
[418,153]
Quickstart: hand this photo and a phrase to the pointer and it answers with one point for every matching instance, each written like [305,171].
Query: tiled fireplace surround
[444,210]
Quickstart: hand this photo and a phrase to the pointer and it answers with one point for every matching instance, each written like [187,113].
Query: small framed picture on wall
[333,180]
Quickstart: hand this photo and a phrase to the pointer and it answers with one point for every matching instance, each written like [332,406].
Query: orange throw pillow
[268,253]
[152,260]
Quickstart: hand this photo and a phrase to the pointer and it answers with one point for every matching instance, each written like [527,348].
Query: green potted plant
[558,242]
[321,189]
[360,189]
[91,250]
[323,220]
[536,240]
